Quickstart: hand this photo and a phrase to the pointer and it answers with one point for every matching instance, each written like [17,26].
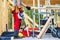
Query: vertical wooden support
[38,13]
[46,26]
[3,15]
[34,12]
[33,17]
[58,19]
[47,2]
[12,23]
[55,17]
[0,17]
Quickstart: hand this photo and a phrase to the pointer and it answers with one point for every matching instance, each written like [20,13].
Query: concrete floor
[45,37]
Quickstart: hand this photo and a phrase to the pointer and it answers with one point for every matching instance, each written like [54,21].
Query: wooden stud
[0,16]
[3,15]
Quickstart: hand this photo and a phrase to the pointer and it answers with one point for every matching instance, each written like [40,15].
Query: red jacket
[17,21]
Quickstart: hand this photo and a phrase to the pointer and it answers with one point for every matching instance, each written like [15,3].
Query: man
[18,15]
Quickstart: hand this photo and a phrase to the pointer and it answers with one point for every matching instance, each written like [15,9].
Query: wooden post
[0,17]
[33,17]
[12,23]
[3,15]
[34,12]
[47,2]
[39,14]
[58,19]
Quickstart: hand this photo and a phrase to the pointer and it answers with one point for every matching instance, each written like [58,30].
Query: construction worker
[18,15]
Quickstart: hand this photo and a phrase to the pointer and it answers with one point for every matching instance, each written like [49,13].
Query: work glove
[28,7]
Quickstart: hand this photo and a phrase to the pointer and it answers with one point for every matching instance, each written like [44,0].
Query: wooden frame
[3,15]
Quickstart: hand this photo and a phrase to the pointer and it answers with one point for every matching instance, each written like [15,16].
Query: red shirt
[17,21]
[15,15]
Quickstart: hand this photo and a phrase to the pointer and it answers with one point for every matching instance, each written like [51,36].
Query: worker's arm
[13,9]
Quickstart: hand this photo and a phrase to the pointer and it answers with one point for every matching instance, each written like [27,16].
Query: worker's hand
[28,7]
[13,9]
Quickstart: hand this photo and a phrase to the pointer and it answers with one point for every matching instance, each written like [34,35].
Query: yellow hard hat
[20,35]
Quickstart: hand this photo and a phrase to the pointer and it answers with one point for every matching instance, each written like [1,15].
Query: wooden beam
[30,19]
[44,29]
[26,20]
[42,2]
[54,7]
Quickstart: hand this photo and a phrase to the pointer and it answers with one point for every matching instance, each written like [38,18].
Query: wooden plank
[44,29]
[57,18]
[55,1]
[0,17]
[26,21]
[30,19]
[30,2]
[12,23]
[4,15]
[54,7]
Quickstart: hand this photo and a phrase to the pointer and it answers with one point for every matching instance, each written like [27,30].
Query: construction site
[41,20]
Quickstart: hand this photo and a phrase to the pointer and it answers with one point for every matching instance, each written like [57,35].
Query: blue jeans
[16,32]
